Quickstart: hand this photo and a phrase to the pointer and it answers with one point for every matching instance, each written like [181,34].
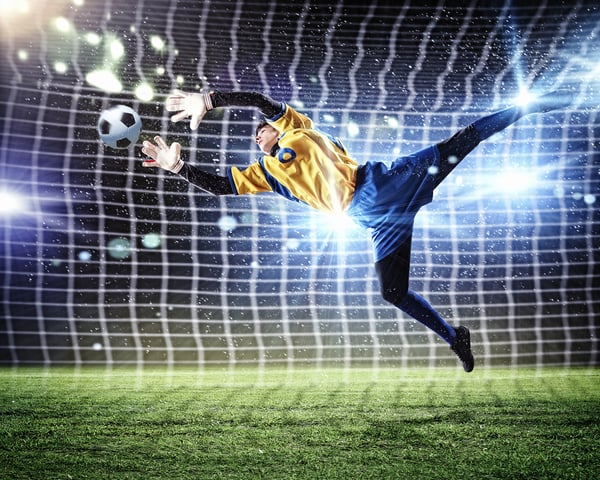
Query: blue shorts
[387,198]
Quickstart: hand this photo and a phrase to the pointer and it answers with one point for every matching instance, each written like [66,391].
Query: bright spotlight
[11,203]
[515,180]
[8,7]
[338,224]
[524,98]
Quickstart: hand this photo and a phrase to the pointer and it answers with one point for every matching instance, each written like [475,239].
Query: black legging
[393,270]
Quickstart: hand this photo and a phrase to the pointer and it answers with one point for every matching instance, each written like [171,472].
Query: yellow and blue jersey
[310,166]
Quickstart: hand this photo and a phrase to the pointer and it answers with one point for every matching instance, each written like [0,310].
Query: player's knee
[394,294]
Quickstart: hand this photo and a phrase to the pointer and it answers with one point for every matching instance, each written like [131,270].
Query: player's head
[265,136]
[261,124]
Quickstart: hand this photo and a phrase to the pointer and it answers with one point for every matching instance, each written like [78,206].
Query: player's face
[266,138]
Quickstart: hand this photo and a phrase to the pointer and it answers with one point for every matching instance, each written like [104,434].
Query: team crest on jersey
[286,155]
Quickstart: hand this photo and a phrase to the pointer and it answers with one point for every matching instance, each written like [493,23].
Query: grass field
[302,424]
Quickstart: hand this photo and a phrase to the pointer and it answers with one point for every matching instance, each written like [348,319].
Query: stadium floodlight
[337,226]
[513,181]
[524,97]
[11,203]
[9,6]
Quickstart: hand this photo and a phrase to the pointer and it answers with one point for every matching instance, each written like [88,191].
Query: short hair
[261,124]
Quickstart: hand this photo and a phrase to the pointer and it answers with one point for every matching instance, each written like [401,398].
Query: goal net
[107,262]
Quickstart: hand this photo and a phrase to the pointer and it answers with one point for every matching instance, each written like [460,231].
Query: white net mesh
[106,262]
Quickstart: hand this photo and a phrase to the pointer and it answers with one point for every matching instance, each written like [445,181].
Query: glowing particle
[62,24]
[151,240]
[92,38]
[60,67]
[119,248]
[353,129]
[23,55]
[157,43]
[459,180]
[104,80]
[292,244]
[84,256]
[144,92]
[589,199]
[392,122]
[227,223]
[116,49]
[97,346]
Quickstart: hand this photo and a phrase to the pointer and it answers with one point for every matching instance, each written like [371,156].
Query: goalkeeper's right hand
[163,156]
[194,105]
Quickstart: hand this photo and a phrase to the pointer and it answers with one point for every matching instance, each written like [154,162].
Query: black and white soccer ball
[119,126]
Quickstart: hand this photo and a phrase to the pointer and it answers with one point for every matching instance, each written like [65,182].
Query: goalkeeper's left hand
[194,105]
[163,156]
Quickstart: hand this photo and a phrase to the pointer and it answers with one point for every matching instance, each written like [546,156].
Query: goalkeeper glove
[194,105]
[163,156]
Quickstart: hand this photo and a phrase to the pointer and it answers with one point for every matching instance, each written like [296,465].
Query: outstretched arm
[195,105]
[169,158]
[209,182]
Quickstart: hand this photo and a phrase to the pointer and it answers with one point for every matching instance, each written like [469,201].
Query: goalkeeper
[306,165]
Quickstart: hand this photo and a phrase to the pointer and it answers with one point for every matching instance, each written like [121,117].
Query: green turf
[346,424]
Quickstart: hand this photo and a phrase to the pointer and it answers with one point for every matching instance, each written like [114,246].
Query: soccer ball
[119,126]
